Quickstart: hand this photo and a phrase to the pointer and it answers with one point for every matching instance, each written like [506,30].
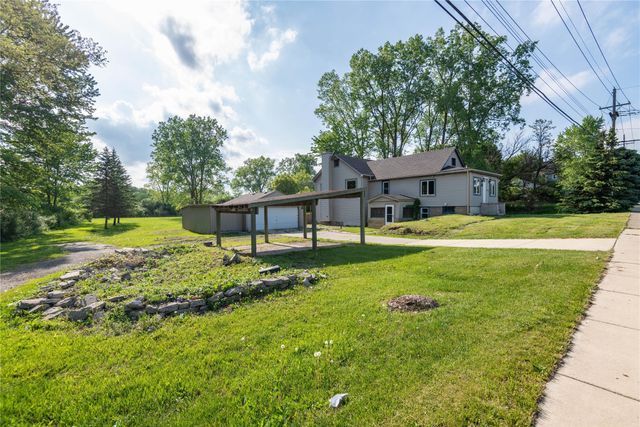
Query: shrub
[16,224]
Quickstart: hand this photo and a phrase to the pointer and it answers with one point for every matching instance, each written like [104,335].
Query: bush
[18,224]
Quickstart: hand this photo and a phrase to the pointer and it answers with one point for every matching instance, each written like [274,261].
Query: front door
[388,214]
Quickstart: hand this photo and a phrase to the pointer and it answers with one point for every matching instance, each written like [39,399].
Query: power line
[546,57]
[536,58]
[578,45]
[496,13]
[495,49]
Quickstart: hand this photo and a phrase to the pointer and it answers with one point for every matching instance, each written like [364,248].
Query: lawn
[131,232]
[481,358]
[517,226]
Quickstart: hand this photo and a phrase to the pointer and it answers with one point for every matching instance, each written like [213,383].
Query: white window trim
[473,186]
[346,181]
[435,188]
[382,187]
[492,187]
[424,208]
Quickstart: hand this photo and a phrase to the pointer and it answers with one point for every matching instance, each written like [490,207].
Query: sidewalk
[598,383]
[559,244]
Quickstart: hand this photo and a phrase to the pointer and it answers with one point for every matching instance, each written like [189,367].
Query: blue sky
[254,66]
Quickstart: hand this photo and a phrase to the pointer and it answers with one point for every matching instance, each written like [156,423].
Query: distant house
[202,218]
[438,179]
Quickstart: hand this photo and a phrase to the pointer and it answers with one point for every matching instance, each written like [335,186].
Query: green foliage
[254,175]
[298,163]
[416,208]
[187,151]
[484,355]
[429,93]
[111,189]
[292,183]
[594,176]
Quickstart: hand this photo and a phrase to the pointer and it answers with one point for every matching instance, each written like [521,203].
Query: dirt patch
[412,303]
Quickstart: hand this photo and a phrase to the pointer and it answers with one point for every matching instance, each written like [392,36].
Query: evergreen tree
[123,199]
[111,189]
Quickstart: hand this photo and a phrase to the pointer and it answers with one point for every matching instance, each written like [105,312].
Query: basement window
[377,213]
[424,213]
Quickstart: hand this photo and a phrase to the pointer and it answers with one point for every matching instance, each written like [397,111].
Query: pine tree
[111,189]
[123,190]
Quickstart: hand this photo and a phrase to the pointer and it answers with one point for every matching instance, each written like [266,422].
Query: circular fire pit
[412,303]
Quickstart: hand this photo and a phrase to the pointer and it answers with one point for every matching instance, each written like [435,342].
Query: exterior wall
[345,211]
[476,200]
[280,218]
[451,190]
[397,212]
[202,219]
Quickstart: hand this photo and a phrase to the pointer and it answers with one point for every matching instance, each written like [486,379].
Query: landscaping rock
[306,282]
[208,244]
[89,299]
[67,302]
[27,304]
[195,303]
[168,308]
[412,303]
[38,308]
[235,291]
[150,309]
[67,284]
[117,298]
[272,282]
[52,313]
[136,304]
[56,295]
[233,259]
[215,297]
[72,275]
[270,270]
[47,288]
[338,400]
[97,306]
[183,305]
[79,314]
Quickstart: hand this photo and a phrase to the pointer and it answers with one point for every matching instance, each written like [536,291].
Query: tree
[123,195]
[111,189]
[162,182]
[289,183]
[254,175]
[298,163]
[189,150]
[594,175]
[328,142]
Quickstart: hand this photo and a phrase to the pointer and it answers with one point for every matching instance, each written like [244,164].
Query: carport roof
[288,200]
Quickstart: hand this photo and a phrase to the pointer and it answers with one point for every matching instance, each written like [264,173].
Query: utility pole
[614,114]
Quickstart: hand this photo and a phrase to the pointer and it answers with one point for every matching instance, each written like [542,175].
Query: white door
[388,214]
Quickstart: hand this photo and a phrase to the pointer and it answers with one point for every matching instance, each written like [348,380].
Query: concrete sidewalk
[598,383]
[559,244]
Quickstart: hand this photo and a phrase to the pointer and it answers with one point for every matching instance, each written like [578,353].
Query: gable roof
[359,165]
[245,199]
[427,163]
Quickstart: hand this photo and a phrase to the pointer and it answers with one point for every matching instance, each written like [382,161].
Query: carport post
[314,226]
[304,221]
[363,217]
[253,232]
[218,229]
[266,225]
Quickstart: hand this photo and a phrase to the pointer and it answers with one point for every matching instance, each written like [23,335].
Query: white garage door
[279,218]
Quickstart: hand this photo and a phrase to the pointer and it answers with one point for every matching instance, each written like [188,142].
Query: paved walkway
[598,383]
[78,253]
[560,244]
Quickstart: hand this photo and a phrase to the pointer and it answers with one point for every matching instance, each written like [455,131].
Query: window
[424,213]
[377,213]
[492,188]
[336,163]
[428,187]
[453,161]
[477,182]
[351,184]
[407,212]
[448,210]
[385,187]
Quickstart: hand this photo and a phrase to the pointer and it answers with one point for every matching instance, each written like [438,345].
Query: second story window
[336,163]
[385,187]
[351,184]
[453,161]
[428,187]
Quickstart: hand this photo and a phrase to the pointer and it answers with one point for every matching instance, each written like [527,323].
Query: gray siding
[451,189]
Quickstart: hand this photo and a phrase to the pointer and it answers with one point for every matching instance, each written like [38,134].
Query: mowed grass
[517,226]
[131,232]
[481,358]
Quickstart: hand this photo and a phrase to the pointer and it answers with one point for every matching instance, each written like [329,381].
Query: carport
[303,199]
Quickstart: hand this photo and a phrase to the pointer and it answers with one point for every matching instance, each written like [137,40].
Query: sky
[254,66]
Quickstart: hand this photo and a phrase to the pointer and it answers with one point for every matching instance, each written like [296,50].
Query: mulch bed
[412,303]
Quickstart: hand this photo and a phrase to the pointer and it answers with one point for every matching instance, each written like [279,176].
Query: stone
[136,304]
[38,308]
[306,282]
[293,278]
[338,400]
[72,275]
[195,303]
[67,302]
[284,282]
[125,276]
[150,309]
[270,270]
[79,314]
[229,260]
[67,284]
[27,304]
[208,244]
[89,299]
[47,288]
[183,305]
[215,297]
[272,282]
[97,306]
[235,291]
[98,315]
[117,298]
[168,308]
[52,313]
[56,295]
[125,251]
[51,301]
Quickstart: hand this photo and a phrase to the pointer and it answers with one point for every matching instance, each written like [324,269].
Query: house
[202,218]
[439,180]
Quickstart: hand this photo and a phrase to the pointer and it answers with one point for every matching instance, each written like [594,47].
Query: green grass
[481,358]
[517,226]
[131,232]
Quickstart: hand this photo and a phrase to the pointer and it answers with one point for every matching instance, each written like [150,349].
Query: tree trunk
[118,220]
[114,220]
[106,222]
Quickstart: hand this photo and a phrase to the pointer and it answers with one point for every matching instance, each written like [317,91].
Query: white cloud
[545,15]
[138,173]
[279,39]
[617,38]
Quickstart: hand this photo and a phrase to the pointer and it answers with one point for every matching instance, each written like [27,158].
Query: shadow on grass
[343,255]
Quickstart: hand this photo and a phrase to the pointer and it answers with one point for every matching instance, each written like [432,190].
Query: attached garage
[202,218]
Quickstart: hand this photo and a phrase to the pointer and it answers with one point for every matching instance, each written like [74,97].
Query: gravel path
[78,253]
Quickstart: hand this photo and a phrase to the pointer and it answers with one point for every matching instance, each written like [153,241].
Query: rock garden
[159,282]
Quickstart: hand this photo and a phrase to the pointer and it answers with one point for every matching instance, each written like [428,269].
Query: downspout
[468,193]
